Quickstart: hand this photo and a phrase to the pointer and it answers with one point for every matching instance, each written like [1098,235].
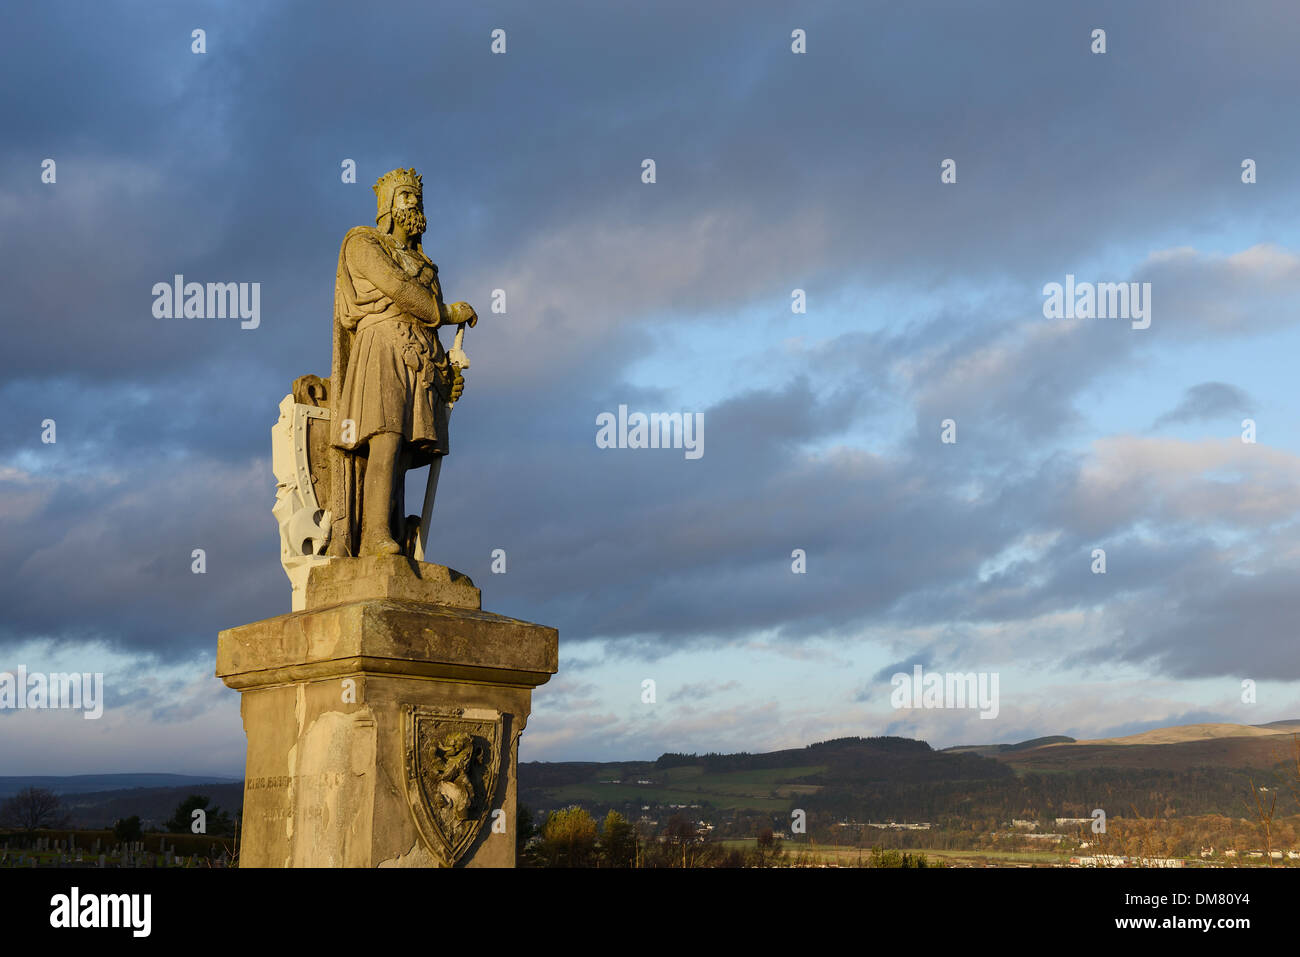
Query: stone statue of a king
[344,444]
[384,710]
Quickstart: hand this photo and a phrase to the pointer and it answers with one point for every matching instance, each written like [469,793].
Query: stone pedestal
[383,720]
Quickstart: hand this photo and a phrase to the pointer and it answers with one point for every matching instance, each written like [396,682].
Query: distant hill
[1291,724]
[1190,770]
[989,750]
[1178,748]
[1201,732]
[83,783]
[1038,743]
[97,800]
[826,771]
[99,809]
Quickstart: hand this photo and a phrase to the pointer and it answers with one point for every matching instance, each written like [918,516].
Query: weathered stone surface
[388,576]
[383,732]
[387,637]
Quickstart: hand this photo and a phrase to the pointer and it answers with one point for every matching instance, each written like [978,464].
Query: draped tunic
[398,377]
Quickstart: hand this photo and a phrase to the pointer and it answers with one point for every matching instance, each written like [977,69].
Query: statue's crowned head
[399,195]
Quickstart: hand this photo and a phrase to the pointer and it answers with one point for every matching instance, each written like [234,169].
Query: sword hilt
[457,355]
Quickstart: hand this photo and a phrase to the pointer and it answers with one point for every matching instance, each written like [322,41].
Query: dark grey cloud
[1207,400]
[226,165]
[1235,624]
[871,691]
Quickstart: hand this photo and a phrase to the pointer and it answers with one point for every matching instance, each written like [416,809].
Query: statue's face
[406,199]
[408,211]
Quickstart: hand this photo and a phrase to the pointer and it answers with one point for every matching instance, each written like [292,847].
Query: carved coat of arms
[452,762]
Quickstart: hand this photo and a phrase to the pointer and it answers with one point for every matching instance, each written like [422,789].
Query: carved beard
[412,218]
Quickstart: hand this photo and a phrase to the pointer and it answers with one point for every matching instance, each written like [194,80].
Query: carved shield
[299,459]
[452,762]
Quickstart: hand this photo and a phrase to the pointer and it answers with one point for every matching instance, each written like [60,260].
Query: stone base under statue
[383,721]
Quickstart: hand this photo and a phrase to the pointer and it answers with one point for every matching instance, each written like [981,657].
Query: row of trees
[572,838]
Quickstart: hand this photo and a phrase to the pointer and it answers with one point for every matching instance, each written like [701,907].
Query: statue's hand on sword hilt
[459,361]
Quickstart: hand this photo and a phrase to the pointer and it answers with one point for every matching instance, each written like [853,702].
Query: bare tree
[1265,819]
[32,809]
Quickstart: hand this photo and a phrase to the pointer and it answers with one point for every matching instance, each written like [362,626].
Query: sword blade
[426,514]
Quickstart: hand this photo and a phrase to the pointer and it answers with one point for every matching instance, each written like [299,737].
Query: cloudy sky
[775,171]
